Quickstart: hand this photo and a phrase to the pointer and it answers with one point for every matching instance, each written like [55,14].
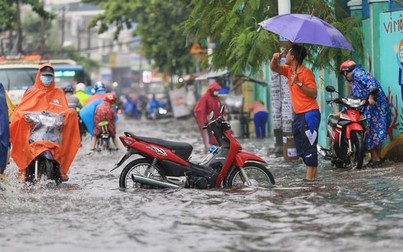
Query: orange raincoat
[50,99]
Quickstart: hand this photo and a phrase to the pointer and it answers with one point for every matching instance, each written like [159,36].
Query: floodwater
[342,211]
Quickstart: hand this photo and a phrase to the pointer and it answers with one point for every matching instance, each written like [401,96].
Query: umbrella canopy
[308,29]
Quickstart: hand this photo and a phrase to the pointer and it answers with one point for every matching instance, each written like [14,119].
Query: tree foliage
[10,19]
[157,22]
[166,27]
[241,45]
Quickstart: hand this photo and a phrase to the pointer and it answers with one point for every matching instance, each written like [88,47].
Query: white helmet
[80,87]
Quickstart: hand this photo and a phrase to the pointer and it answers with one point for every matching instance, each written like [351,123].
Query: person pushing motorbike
[377,112]
[208,102]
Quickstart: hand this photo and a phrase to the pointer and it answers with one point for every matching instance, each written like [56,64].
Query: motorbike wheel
[140,167]
[357,155]
[257,174]
[46,167]
[105,144]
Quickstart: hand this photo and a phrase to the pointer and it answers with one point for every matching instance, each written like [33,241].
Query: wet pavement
[344,210]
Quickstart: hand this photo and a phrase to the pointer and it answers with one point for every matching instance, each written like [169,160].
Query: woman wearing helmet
[81,94]
[105,112]
[377,111]
[100,91]
[72,101]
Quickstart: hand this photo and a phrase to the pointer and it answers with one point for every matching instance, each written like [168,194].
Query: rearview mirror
[330,88]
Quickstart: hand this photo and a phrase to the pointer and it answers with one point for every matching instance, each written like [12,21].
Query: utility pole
[281,101]
[43,23]
[88,42]
[63,28]
[19,28]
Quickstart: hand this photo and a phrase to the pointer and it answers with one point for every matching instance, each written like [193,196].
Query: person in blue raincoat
[153,107]
[87,113]
[4,130]
[377,112]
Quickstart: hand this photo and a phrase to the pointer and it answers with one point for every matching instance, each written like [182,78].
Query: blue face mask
[46,80]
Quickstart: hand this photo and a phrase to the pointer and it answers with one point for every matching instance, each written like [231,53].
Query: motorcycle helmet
[99,86]
[68,89]
[347,66]
[80,87]
[111,97]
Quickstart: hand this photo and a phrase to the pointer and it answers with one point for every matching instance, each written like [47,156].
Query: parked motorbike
[166,164]
[81,125]
[45,127]
[346,132]
[103,143]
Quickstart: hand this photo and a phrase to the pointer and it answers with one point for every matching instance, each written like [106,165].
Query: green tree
[158,23]
[233,25]
[10,17]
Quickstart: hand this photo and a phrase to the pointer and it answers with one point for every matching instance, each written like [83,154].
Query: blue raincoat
[4,130]
[87,115]
[378,116]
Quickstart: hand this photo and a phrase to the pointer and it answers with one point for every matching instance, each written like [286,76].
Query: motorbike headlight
[353,103]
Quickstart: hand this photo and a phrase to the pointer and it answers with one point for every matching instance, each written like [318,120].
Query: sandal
[374,164]
[64,177]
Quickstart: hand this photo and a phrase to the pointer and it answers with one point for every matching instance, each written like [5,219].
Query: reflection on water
[342,211]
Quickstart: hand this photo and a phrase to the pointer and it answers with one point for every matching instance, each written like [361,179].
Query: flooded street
[342,211]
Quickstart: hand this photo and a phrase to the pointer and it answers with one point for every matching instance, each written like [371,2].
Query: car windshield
[17,78]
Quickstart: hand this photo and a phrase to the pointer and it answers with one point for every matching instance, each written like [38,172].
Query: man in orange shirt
[301,82]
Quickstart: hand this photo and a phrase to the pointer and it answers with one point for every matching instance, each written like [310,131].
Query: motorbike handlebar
[335,100]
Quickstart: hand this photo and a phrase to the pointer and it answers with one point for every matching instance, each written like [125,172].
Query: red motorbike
[166,164]
[346,132]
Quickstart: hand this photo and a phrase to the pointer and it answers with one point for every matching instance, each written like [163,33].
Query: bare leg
[311,172]
[115,142]
[93,142]
[374,154]
[205,138]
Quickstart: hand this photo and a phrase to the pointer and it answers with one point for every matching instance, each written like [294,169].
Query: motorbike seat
[179,148]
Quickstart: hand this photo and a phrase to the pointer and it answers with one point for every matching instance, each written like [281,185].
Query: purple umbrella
[308,29]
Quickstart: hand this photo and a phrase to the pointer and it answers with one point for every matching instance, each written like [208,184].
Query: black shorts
[305,131]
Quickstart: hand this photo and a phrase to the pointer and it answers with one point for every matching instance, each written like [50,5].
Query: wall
[383,34]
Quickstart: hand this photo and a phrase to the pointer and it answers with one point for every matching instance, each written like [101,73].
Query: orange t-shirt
[300,101]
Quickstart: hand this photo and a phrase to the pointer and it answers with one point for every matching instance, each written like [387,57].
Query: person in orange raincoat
[44,96]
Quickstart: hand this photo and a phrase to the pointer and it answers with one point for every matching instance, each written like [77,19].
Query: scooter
[103,143]
[166,164]
[346,132]
[45,127]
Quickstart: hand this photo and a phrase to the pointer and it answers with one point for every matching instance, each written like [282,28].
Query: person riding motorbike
[100,91]
[4,131]
[44,96]
[81,94]
[105,112]
[88,111]
[72,101]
